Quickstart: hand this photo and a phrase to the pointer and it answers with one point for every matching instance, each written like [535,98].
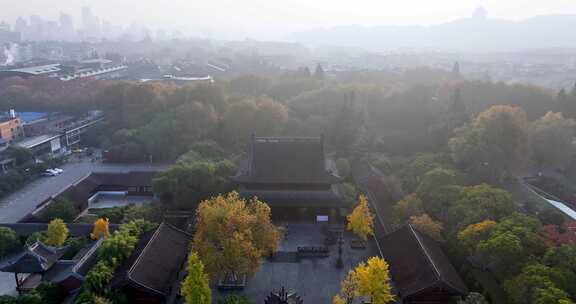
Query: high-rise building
[21,26]
[66,27]
[91,24]
[6,35]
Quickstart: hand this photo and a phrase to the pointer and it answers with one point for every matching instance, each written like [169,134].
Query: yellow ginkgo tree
[101,229]
[361,220]
[370,279]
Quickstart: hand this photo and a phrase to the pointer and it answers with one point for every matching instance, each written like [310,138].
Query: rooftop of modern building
[35,141]
[37,70]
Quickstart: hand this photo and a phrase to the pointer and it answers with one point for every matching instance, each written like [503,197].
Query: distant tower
[480,13]
[456,69]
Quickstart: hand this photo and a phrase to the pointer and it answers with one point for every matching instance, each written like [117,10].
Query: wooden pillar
[17,282]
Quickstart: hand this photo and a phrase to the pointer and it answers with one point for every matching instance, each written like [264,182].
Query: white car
[50,172]
[58,170]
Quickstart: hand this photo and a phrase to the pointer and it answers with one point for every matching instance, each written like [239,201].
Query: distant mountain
[475,34]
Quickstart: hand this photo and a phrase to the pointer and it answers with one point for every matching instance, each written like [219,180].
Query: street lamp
[339,262]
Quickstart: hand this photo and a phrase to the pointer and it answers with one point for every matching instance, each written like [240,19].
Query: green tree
[8,241]
[196,288]
[481,202]
[61,208]
[186,183]
[20,155]
[343,167]
[235,299]
[57,233]
[563,257]
[551,140]
[470,236]
[435,180]
[494,145]
[408,206]
[98,277]
[345,126]
[536,285]
[514,240]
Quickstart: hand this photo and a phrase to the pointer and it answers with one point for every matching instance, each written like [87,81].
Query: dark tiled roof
[285,160]
[35,258]
[417,263]
[296,198]
[155,264]
[78,267]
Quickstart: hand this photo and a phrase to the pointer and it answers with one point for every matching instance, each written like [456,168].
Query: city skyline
[262,20]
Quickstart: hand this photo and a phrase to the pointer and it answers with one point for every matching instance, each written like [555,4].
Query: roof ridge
[439,275]
[87,255]
[129,272]
[177,229]
[426,253]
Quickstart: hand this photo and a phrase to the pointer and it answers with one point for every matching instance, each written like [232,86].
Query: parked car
[50,172]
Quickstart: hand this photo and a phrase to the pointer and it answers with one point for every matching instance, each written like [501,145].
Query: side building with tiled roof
[153,272]
[419,268]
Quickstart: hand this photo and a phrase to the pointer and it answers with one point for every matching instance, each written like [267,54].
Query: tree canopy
[361,220]
[232,234]
[196,288]
[495,144]
[57,233]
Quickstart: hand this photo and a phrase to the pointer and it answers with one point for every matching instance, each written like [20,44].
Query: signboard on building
[55,145]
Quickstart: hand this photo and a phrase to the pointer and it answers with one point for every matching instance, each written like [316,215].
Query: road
[15,206]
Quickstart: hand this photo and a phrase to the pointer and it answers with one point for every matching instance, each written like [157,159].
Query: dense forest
[451,150]
[377,112]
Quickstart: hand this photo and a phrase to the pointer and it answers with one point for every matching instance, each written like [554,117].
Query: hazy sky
[273,18]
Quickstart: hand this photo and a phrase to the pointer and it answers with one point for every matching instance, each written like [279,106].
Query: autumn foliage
[425,224]
[361,220]
[232,234]
[368,279]
[101,229]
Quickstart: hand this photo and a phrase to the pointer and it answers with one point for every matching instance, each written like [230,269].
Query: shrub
[36,236]
[74,246]
[235,299]
[8,241]
[61,208]
[98,277]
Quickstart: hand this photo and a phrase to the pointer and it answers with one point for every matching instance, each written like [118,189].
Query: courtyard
[315,279]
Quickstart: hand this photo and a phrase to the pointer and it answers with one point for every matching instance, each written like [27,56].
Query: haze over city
[274,20]
[287,152]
